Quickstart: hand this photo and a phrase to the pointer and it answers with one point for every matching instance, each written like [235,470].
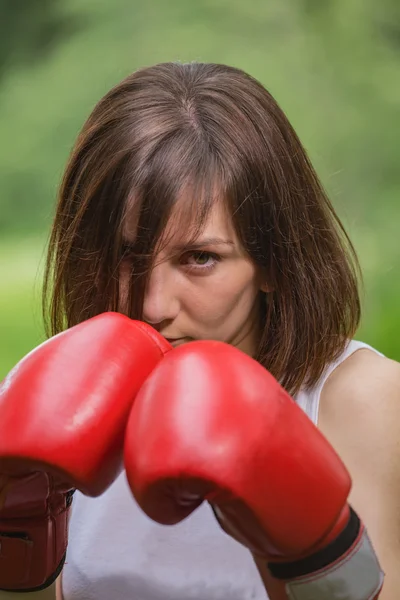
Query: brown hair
[206,125]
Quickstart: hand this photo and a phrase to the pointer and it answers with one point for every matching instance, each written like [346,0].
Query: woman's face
[206,291]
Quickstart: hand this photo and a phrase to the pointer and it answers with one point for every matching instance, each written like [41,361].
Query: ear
[263,281]
[264,287]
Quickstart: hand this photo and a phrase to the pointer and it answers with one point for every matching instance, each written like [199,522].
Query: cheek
[228,296]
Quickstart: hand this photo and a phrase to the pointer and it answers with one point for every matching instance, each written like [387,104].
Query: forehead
[185,222]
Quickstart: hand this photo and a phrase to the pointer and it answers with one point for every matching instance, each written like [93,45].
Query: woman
[189,203]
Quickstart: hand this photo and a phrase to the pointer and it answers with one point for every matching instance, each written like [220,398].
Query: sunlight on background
[333,67]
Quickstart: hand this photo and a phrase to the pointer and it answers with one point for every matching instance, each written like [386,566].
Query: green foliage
[20,312]
[30,30]
[333,66]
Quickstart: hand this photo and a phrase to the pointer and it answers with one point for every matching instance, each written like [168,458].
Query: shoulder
[367,386]
[360,416]
[360,407]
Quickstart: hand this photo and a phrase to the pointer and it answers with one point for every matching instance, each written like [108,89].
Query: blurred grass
[21,266]
[333,67]
[20,312]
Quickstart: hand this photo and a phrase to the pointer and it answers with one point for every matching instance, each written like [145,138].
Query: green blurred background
[333,65]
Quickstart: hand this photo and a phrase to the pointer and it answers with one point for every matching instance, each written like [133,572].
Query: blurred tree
[334,66]
[29,30]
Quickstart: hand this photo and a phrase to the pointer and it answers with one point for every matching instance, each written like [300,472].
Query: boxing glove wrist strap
[347,569]
[19,573]
[33,535]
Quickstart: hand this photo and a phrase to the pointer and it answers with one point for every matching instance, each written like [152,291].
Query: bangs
[154,156]
[175,187]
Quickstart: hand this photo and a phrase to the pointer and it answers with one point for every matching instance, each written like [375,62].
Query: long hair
[210,127]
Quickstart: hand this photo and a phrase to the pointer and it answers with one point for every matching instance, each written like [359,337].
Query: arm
[56,402]
[59,592]
[360,416]
[47,594]
[53,592]
[228,433]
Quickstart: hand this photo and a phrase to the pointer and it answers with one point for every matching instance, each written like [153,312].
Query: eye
[200,260]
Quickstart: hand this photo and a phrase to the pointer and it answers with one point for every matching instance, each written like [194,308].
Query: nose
[161,302]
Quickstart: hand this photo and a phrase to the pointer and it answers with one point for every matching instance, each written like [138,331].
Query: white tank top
[116,553]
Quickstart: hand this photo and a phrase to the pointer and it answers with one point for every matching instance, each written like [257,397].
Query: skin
[193,295]
[359,415]
[211,292]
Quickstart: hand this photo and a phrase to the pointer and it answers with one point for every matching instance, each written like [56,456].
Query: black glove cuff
[321,558]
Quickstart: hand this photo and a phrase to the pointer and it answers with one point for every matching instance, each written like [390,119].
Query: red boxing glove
[210,423]
[63,413]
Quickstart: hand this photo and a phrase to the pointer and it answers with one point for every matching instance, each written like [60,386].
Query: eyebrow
[208,241]
[198,244]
